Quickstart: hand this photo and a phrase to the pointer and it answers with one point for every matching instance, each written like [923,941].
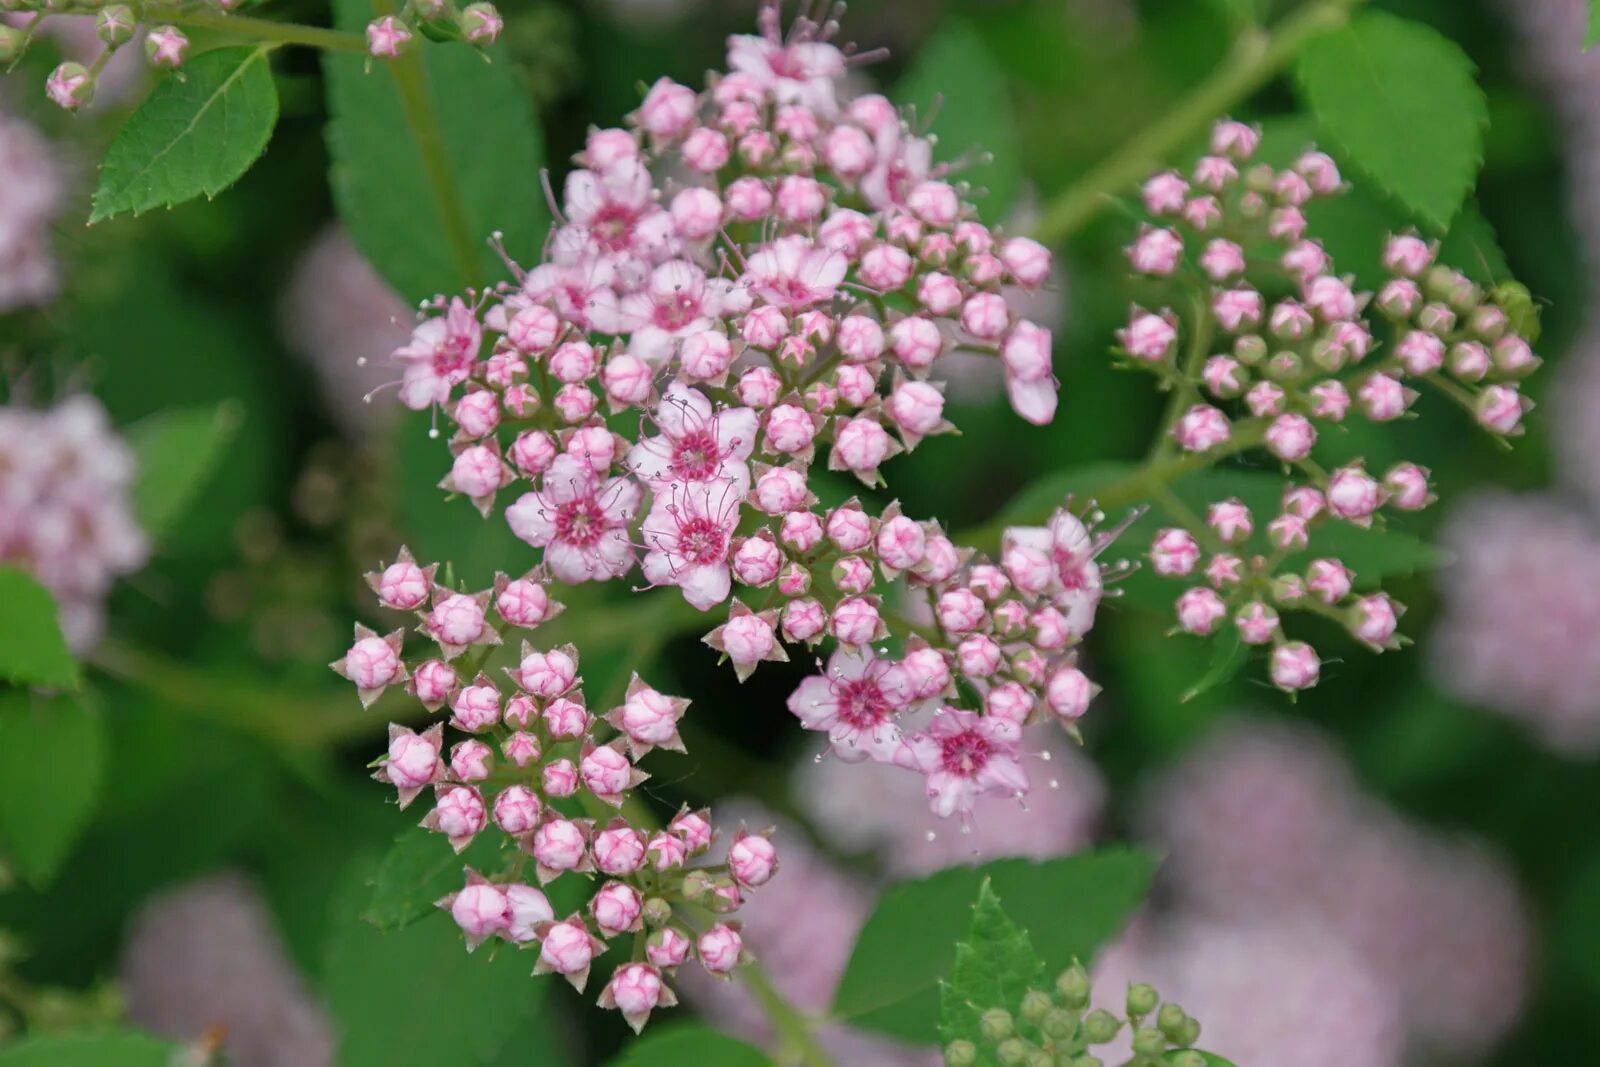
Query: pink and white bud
[1174,553]
[1354,495]
[1230,519]
[617,908]
[1500,407]
[758,387]
[790,429]
[480,910]
[526,910]
[533,451]
[856,621]
[618,850]
[939,293]
[804,620]
[566,719]
[1069,692]
[1288,533]
[901,543]
[459,814]
[636,990]
[1376,621]
[986,316]
[1329,580]
[523,602]
[1420,352]
[935,203]
[801,530]
[1027,261]
[533,329]
[1295,666]
[456,621]
[546,674]
[780,490]
[607,773]
[521,748]
[960,611]
[848,151]
[757,561]
[1157,252]
[1201,428]
[559,778]
[916,342]
[978,656]
[413,760]
[567,948]
[1237,310]
[748,639]
[1234,139]
[1407,255]
[752,859]
[668,947]
[471,761]
[695,829]
[517,810]
[1407,485]
[372,663]
[668,109]
[1257,623]
[1332,400]
[1148,336]
[476,707]
[1225,377]
[1199,610]
[1222,259]
[667,851]
[386,37]
[1290,437]
[433,683]
[1030,568]
[917,408]
[559,845]
[720,948]
[860,445]
[860,338]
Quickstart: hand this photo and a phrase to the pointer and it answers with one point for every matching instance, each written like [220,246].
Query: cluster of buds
[783,297]
[71,85]
[530,760]
[478,24]
[1278,352]
[1056,1028]
[66,513]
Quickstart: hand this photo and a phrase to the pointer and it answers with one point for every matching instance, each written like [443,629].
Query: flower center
[677,311]
[580,522]
[695,456]
[965,753]
[702,541]
[612,226]
[861,703]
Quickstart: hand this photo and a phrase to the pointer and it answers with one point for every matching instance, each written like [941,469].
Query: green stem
[258,29]
[411,82]
[796,1042]
[1257,57]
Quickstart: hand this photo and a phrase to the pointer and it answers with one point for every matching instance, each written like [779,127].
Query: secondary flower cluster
[438,20]
[32,181]
[531,758]
[1279,340]
[65,514]
[1057,1029]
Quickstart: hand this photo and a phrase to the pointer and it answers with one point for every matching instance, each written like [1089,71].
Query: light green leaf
[956,79]
[1401,103]
[994,967]
[1591,38]
[416,872]
[32,650]
[1213,1060]
[195,134]
[689,1045]
[422,219]
[89,1050]
[178,452]
[1072,906]
[52,751]
[416,995]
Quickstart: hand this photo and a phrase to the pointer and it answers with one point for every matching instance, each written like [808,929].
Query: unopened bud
[1142,999]
[1013,1052]
[13,42]
[1100,1026]
[1073,986]
[70,85]
[1148,1041]
[657,911]
[1250,349]
[1191,1032]
[995,1023]
[1171,1020]
[960,1054]
[114,24]
[1035,1006]
[1058,1025]
[481,24]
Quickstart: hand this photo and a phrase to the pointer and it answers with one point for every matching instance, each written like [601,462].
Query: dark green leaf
[689,1045]
[1228,657]
[955,78]
[194,135]
[90,1050]
[1072,906]
[994,967]
[1401,102]
[420,868]
[422,219]
[51,755]
[32,650]
[417,996]
[178,452]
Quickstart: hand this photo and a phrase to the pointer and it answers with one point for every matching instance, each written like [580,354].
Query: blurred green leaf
[52,751]
[1593,35]
[1401,101]
[32,650]
[416,995]
[483,160]
[418,869]
[689,1045]
[956,79]
[195,134]
[178,453]
[1214,1060]
[1072,906]
[995,965]
[1228,657]
[90,1050]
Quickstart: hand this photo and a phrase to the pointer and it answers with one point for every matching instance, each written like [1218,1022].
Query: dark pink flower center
[453,357]
[702,541]
[695,455]
[965,753]
[580,522]
[612,226]
[677,311]
[861,703]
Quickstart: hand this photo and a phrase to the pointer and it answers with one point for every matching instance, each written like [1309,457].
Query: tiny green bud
[996,1024]
[481,24]
[961,1054]
[1171,1020]
[1073,986]
[1522,314]
[1142,998]
[114,24]
[1040,1058]
[1100,1026]
[1187,1058]
[1035,1005]
[1250,349]
[1058,1025]
[1013,1052]
[1148,1041]
[1190,1034]
[13,42]
[1260,178]
[657,911]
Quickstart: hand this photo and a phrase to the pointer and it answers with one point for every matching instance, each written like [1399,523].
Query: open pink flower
[800,72]
[794,273]
[965,756]
[615,211]
[677,301]
[686,539]
[580,520]
[696,444]
[441,355]
[856,702]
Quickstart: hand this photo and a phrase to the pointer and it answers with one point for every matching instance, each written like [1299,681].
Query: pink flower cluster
[477,23]
[1288,361]
[33,186]
[529,755]
[65,513]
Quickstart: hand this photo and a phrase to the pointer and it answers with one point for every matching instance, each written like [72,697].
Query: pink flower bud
[694,828]
[471,761]
[547,674]
[801,530]
[1156,252]
[789,429]
[1174,553]
[748,640]
[1288,533]
[521,748]
[886,268]
[517,810]
[960,611]
[1332,400]
[476,708]
[568,948]
[560,778]
[752,859]
[636,990]
[616,908]
[481,911]
[1290,437]
[566,719]
[1224,569]
[1376,620]
[456,621]
[1257,623]
[1230,519]
[939,293]
[618,850]
[901,542]
[1199,610]
[667,947]
[533,452]
[386,37]
[1148,336]
[857,385]
[533,329]
[1010,701]
[706,150]
[526,909]
[575,403]
[668,109]
[860,338]
[758,387]
[780,490]
[756,562]
[849,528]
[705,356]
[803,620]
[478,413]
[1224,376]
[1407,255]
[1421,353]
[606,772]
[1051,629]
[1165,193]
[800,199]
[432,683]
[848,151]
[1407,485]
[413,759]
[1295,666]
[1500,409]
[649,717]
[1237,309]
[1354,495]
[559,845]
[719,948]
[1069,692]
[373,662]
[855,621]
[917,408]
[667,851]
[1026,352]
[1328,579]
[459,814]
[1201,428]
[1027,261]
[916,342]
[481,24]
[985,316]
[978,656]
[523,603]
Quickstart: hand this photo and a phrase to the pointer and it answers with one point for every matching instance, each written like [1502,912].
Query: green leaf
[955,78]
[1592,37]
[416,995]
[178,453]
[195,134]
[1213,1060]
[1401,102]
[689,1045]
[32,650]
[485,149]
[994,967]
[1072,905]
[1228,657]
[419,869]
[52,751]
[90,1050]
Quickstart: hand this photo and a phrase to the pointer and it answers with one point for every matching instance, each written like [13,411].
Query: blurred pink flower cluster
[1308,924]
[65,508]
[32,181]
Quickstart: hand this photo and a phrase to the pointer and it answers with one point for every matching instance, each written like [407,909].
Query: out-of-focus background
[1403,867]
